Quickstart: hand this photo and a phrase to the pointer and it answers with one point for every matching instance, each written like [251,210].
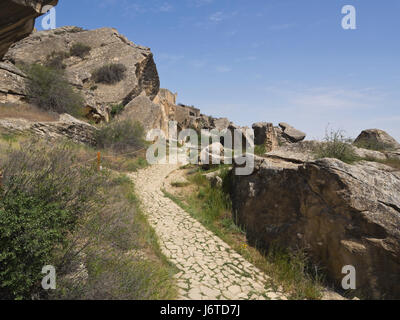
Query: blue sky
[266,60]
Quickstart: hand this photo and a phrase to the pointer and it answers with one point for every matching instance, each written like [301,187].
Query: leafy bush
[48,89]
[336,145]
[80,50]
[56,209]
[42,197]
[56,60]
[121,136]
[109,74]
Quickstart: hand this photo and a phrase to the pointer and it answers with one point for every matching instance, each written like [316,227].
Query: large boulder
[107,46]
[17,19]
[376,139]
[145,111]
[340,214]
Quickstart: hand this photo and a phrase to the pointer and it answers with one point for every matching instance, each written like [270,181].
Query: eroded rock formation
[340,214]
[107,46]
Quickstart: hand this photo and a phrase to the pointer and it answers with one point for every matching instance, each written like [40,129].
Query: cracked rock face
[107,46]
[340,214]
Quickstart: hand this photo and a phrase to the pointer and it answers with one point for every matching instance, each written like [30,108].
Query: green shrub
[336,145]
[121,136]
[48,89]
[56,60]
[42,197]
[109,74]
[56,209]
[80,50]
[116,109]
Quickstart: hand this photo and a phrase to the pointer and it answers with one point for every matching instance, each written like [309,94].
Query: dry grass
[111,237]
[25,111]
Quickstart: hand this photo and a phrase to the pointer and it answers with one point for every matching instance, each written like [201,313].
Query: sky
[266,60]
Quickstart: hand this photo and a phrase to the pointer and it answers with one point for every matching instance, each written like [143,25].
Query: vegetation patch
[121,136]
[260,150]
[109,74]
[116,109]
[56,60]
[336,145]
[57,209]
[80,50]
[49,90]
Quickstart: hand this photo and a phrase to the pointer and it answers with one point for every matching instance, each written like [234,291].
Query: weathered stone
[12,83]
[66,127]
[143,110]
[17,19]
[107,46]
[341,214]
[376,139]
[292,134]
[271,140]
[260,132]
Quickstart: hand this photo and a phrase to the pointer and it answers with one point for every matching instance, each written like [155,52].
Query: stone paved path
[209,268]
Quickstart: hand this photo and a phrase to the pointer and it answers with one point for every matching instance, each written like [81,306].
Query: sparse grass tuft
[80,50]
[259,150]
[116,109]
[336,145]
[180,184]
[56,60]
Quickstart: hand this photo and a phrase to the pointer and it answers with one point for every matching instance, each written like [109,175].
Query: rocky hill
[340,213]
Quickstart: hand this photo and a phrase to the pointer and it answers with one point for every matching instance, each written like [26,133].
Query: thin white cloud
[223,69]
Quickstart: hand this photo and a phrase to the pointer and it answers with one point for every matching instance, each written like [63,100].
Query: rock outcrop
[291,134]
[17,19]
[66,127]
[107,46]
[340,214]
[264,134]
[145,111]
[376,139]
